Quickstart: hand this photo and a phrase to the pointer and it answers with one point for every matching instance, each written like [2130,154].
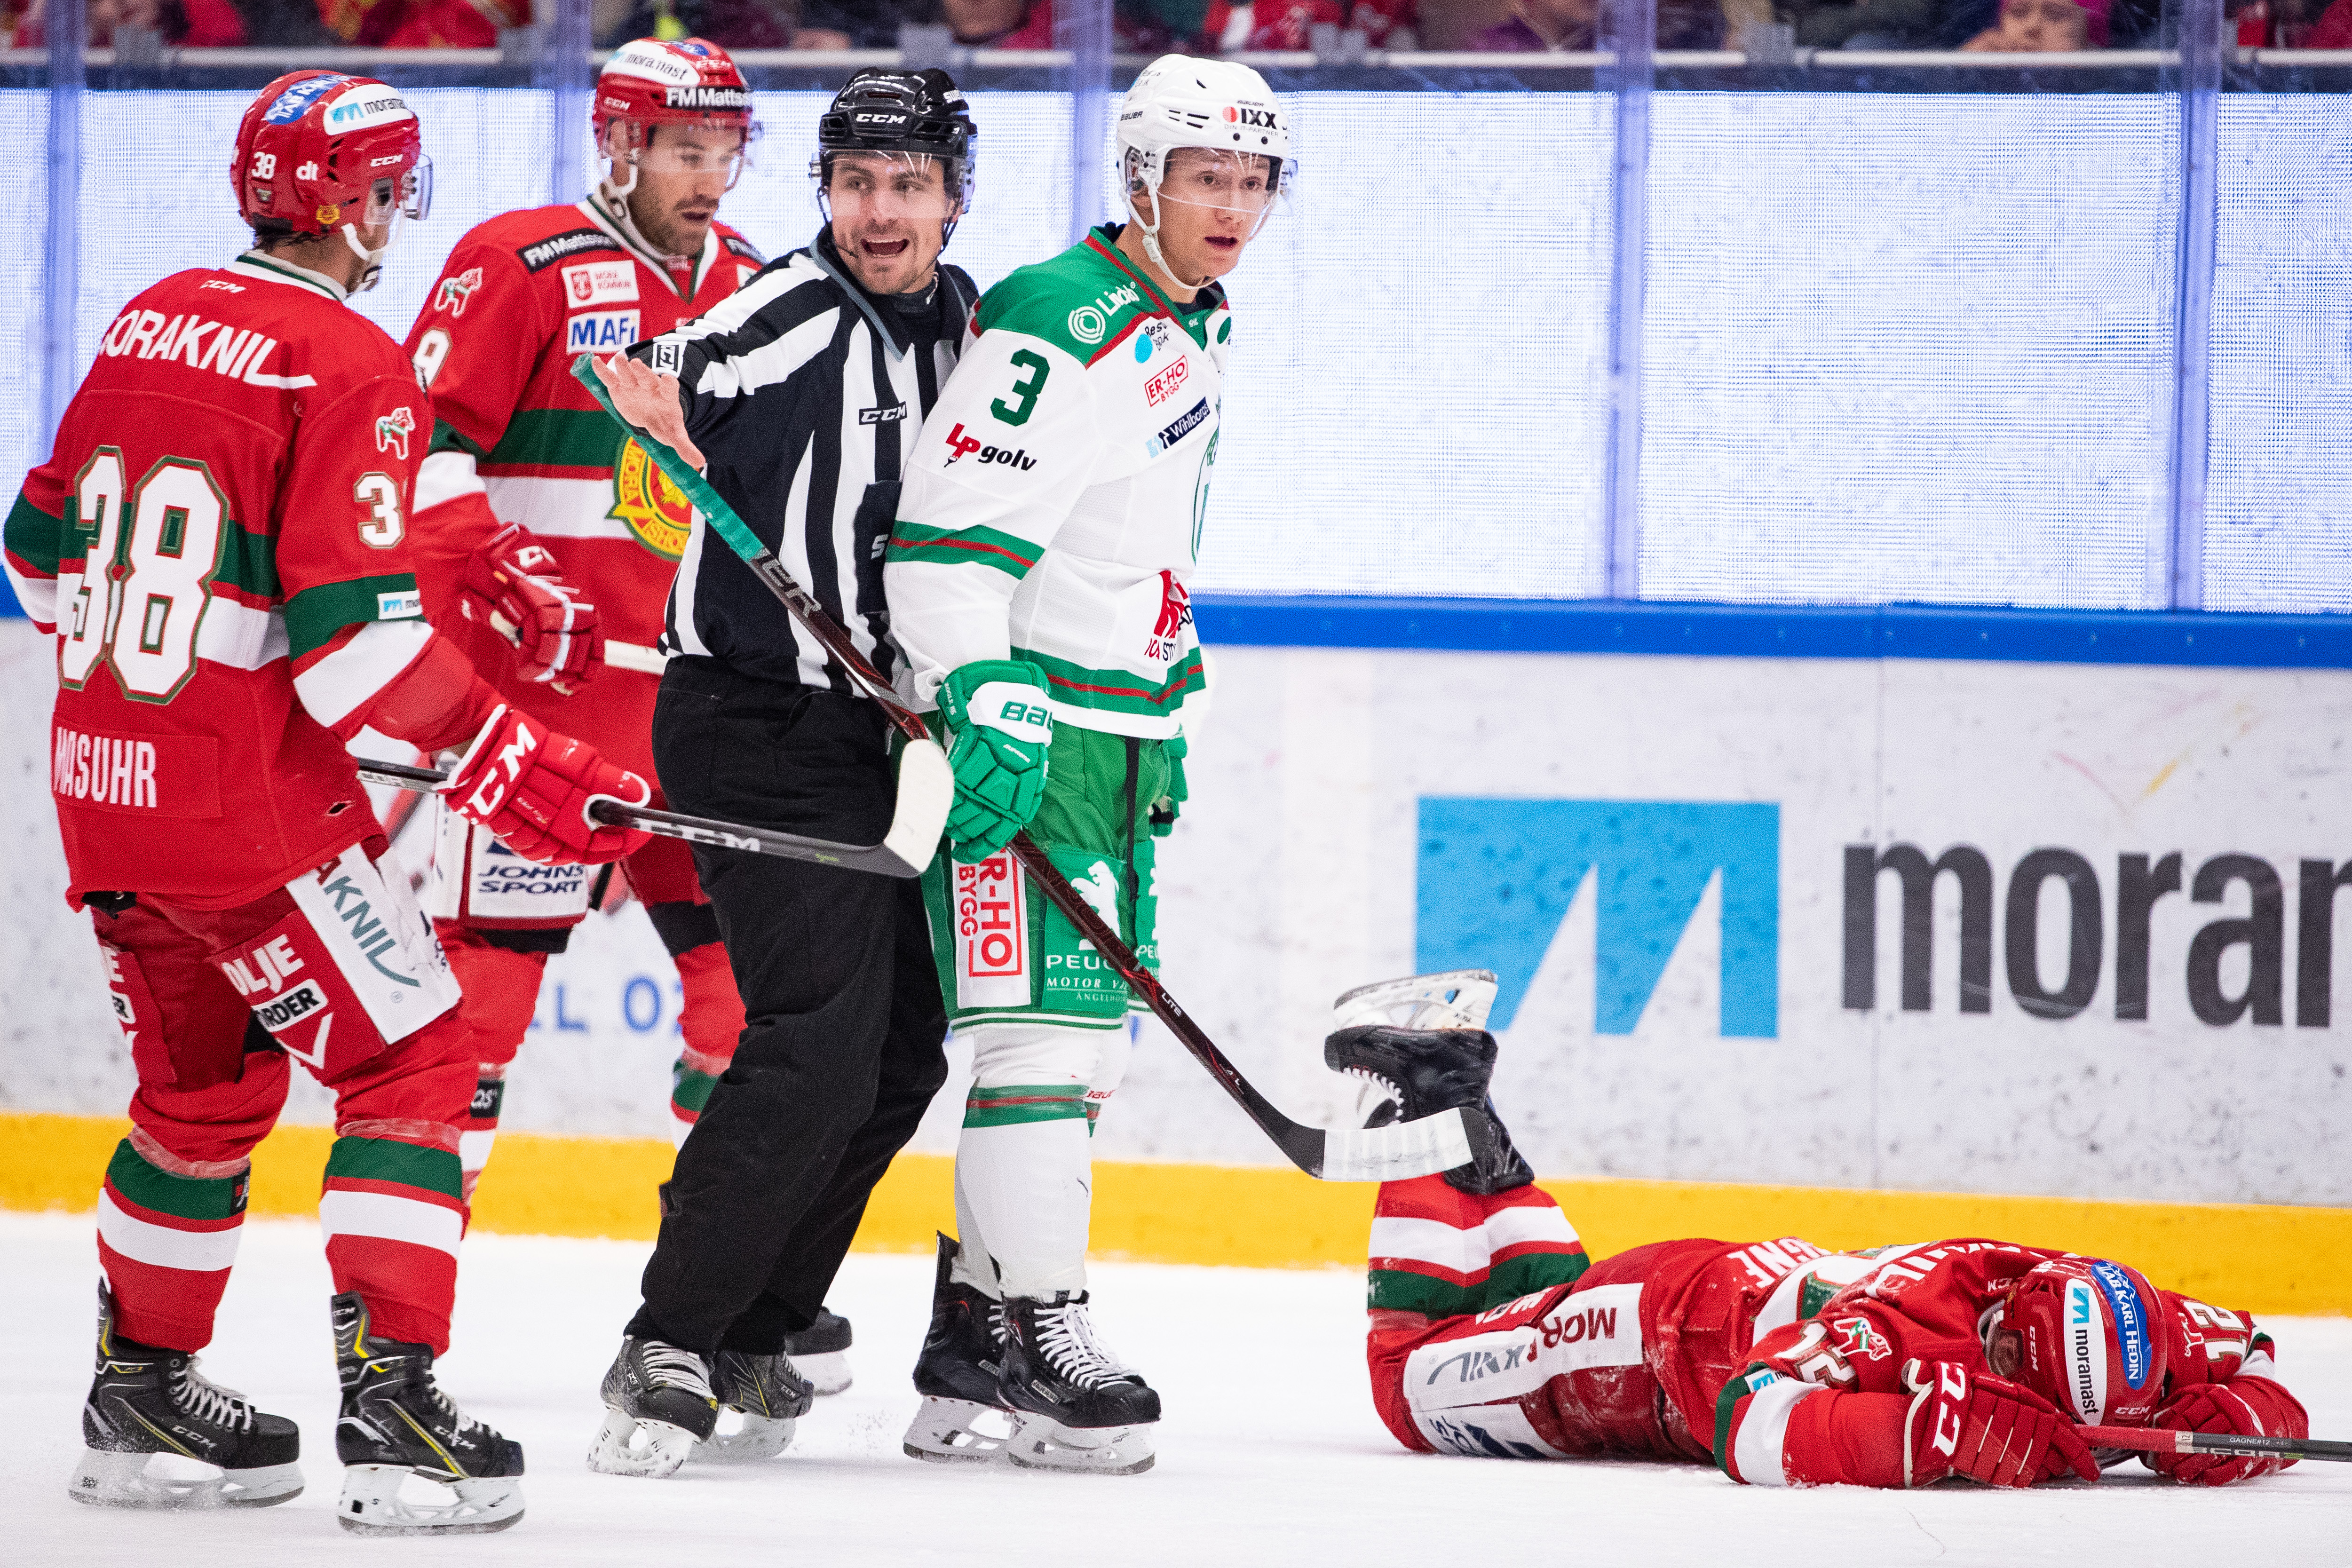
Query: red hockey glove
[533,788]
[514,586]
[2247,1406]
[1987,1428]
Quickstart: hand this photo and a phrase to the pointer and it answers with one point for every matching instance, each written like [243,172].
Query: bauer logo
[1497,877]
[600,332]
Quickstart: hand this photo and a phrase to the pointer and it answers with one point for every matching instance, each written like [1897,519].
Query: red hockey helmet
[320,151]
[685,82]
[2092,1342]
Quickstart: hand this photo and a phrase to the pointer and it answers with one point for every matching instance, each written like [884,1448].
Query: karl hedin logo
[1495,877]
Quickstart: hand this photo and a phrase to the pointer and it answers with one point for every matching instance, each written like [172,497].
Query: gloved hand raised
[1000,728]
[514,585]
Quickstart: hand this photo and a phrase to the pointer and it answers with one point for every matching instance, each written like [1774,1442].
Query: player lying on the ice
[1492,1335]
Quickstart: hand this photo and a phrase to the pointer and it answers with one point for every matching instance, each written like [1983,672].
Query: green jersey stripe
[314,615]
[1008,552]
[184,1197]
[1119,690]
[448,438]
[560,437]
[383,1159]
[32,535]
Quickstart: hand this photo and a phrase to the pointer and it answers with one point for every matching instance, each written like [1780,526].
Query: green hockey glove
[1164,809]
[1000,728]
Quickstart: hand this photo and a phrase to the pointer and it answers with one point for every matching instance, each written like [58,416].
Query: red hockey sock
[167,1243]
[393,1218]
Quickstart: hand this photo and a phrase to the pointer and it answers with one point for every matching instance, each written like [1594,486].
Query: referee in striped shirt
[802,394]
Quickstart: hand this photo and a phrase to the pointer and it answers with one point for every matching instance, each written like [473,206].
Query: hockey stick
[926,789]
[1417,1148]
[2161,1440]
[634,655]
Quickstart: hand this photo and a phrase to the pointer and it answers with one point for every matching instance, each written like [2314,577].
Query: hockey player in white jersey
[1036,581]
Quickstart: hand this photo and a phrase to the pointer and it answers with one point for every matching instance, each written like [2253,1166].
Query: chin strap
[615,200]
[371,261]
[1151,244]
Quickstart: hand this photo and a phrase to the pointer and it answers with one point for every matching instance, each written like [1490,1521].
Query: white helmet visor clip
[408,194]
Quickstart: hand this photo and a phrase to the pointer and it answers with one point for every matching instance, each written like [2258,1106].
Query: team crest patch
[656,509]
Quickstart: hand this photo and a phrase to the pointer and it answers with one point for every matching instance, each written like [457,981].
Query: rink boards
[1692,873]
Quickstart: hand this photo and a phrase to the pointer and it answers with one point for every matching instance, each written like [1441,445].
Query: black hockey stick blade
[1417,1148]
[2165,1441]
[926,789]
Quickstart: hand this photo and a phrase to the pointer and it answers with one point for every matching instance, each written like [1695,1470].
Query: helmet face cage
[640,150]
[1146,174]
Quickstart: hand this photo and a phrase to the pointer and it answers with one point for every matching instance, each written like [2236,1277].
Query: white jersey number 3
[145,625]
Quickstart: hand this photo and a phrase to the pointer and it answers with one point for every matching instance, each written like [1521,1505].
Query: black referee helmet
[919,113]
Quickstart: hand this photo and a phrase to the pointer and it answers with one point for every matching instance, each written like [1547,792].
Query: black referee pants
[842,1048]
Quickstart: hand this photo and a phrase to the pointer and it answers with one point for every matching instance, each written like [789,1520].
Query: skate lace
[1066,1337]
[678,1368]
[208,1401]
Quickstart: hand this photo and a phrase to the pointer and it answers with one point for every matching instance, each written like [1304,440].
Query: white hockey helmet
[1183,101]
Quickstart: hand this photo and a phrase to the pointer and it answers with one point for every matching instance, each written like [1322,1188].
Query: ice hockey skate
[659,1404]
[962,1416]
[397,1428]
[820,1352]
[767,1395]
[1436,1057]
[1077,1405]
[157,1434]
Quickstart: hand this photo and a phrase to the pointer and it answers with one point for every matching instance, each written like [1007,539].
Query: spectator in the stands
[1537,26]
[1870,23]
[181,23]
[999,24]
[2045,27]
[2295,25]
[744,24]
[1291,23]
[423,23]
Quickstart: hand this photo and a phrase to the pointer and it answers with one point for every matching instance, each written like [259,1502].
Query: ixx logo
[1497,877]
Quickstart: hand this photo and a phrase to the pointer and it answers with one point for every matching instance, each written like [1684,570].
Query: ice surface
[1270,1452]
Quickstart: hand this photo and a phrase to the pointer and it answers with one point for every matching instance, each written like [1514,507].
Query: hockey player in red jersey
[548,540]
[1784,1364]
[220,541]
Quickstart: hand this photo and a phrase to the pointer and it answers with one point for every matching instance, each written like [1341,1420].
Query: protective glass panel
[24,323]
[1416,398]
[2278,532]
[1909,347]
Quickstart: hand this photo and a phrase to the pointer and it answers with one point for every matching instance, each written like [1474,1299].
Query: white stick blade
[1417,1148]
[926,790]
